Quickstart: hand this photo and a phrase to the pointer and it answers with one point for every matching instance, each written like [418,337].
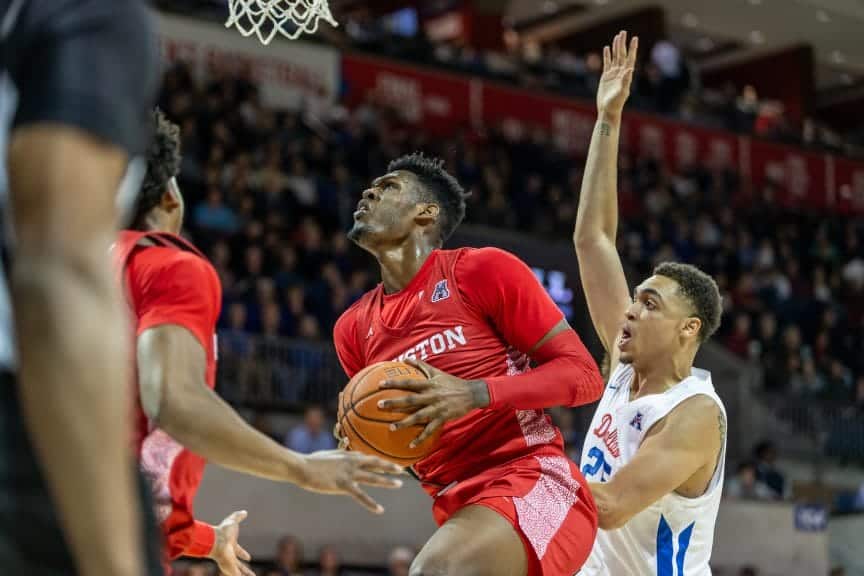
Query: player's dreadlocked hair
[700,290]
[440,186]
[163,163]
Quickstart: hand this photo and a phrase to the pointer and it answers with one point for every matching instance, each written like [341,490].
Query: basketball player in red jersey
[506,498]
[175,295]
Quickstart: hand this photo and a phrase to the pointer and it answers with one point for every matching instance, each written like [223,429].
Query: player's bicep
[170,359]
[605,287]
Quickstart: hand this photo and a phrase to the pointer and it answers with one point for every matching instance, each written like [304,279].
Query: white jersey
[673,536]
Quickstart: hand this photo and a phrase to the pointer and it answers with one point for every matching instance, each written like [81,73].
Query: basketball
[367,427]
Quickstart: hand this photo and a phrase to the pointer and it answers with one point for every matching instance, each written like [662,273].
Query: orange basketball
[367,427]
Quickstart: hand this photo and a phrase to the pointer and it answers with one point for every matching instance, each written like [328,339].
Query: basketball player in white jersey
[654,454]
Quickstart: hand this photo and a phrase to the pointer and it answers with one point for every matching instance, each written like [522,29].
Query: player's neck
[157,222]
[661,376]
[399,264]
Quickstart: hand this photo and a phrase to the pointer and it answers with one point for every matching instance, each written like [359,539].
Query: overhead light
[690,20]
[838,57]
[550,6]
[823,16]
[756,37]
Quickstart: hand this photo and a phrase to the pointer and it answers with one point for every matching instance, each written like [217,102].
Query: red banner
[442,102]
[848,186]
[798,178]
[437,101]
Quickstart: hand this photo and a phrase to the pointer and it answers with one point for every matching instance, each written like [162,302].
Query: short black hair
[700,290]
[439,186]
[163,163]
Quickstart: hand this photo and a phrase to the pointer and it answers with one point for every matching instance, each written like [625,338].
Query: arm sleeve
[179,292]
[505,291]
[185,536]
[346,343]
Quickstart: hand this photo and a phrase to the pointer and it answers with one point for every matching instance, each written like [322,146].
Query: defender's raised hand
[619,61]
[440,398]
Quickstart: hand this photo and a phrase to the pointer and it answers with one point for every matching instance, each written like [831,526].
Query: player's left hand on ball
[227,552]
[438,399]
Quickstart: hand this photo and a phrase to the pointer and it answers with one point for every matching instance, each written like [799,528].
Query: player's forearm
[597,217]
[610,515]
[567,375]
[205,424]
[72,333]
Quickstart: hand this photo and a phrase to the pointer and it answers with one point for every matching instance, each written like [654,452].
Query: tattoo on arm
[605,129]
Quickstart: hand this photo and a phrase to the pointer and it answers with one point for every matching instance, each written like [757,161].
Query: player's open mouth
[361,210]
[626,334]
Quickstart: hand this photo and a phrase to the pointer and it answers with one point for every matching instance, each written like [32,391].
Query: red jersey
[168,281]
[461,313]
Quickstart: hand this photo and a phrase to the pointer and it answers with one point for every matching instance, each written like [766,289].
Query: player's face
[386,214]
[658,322]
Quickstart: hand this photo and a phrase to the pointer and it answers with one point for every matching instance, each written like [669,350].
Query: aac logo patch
[440,292]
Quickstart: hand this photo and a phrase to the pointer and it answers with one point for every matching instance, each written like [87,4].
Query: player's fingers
[238,516]
[430,429]
[246,571]
[420,417]
[409,385]
[377,480]
[407,402]
[634,50]
[428,370]
[364,499]
[375,464]
[607,58]
[242,553]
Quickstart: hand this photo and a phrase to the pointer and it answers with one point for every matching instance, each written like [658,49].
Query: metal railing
[277,373]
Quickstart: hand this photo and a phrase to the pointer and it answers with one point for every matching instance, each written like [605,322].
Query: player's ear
[691,327]
[427,214]
[170,200]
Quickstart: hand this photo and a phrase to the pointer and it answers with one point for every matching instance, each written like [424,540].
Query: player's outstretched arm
[171,368]
[687,441]
[602,274]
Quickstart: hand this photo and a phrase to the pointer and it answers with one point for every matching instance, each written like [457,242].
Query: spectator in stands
[399,562]
[214,215]
[765,454]
[289,556]
[739,340]
[745,486]
[312,435]
[329,563]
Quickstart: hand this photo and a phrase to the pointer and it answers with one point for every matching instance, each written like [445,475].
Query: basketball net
[267,18]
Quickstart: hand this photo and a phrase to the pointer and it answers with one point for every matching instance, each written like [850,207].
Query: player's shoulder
[482,257]
[168,262]
[349,316]
[694,416]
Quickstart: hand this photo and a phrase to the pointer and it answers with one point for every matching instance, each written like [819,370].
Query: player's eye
[650,305]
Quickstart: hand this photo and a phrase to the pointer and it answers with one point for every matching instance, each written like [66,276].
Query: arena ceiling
[729,28]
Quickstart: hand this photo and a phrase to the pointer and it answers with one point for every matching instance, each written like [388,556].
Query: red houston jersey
[168,281]
[461,313]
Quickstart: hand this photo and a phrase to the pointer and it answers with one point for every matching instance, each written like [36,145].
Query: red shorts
[547,501]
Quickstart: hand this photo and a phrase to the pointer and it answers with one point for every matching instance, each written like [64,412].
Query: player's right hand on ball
[339,472]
